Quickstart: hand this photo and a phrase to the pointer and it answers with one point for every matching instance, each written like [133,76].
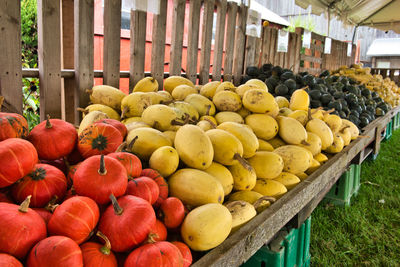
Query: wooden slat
[67,92]
[250,51]
[241,245]
[257,55]
[219,39]
[310,70]
[10,55]
[158,44]
[84,42]
[193,40]
[311,59]
[272,47]
[178,20]
[291,50]
[111,51]
[49,48]
[230,40]
[317,47]
[138,46]
[297,52]
[266,42]
[240,39]
[206,37]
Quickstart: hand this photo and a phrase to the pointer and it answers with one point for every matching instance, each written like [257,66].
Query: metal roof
[380,14]
[267,14]
[384,47]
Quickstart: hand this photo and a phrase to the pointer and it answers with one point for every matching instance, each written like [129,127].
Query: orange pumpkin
[99,138]
[12,125]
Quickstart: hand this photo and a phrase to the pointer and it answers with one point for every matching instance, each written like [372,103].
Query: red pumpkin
[157,233]
[172,212]
[12,125]
[71,173]
[58,163]
[74,157]
[43,183]
[127,222]
[7,260]
[55,251]
[45,214]
[99,138]
[20,228]
[76,218]
[4,198]
[117,124]
[100,176]
[131,163]
[143,187]
[162,254]
[97,255]
[185,251]
[17,157]
[162,184]
[53,138]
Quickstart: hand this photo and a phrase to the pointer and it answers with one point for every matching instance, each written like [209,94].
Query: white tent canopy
[380,14]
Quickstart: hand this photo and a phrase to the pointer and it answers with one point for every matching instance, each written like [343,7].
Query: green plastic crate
[389,131]
[396,124]
[290,248]
[347,186]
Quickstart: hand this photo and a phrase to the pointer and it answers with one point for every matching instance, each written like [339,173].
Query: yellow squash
[165,160]
[173,81]
[227,101]
[223,175]
[228,150]
[106,95]
[267,165]
[244,176]
[147,84]
[299,100]
[296,159]
[270,188]
[263,125]
[291,131]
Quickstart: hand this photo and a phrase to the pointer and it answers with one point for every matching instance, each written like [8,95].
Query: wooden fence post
[219,40]
[240,39]
[206,36]
[112,44]
[230,40]
[178,22]
[49,48]
[193,40]
[10,55]
[138,47]
[84,46]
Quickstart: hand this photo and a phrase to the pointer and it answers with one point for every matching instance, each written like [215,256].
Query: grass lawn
[368,232]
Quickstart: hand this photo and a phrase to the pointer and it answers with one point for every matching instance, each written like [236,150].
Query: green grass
[368,232]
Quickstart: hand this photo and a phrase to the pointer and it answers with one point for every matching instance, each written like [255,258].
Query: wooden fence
[392,73]
[66,46]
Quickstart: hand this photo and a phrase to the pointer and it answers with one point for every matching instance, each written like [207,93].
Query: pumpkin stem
[102,170]
[124,111]
[151,238]
[130,145]
[25,205]
[242,161]
[1,101]
[84,111]
[51,206]
[48,124]
[107,248]
[117,208]
[309,115]
[211,122]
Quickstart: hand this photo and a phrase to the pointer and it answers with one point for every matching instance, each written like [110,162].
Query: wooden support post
[178,21]
[112,37]
[158,45]
[266,42]
[206,38]
[193,40]
[240,39]
[250,51]
[297,52]
[10,55]
[84,46]
[230,40]
[49,48]
[257,54]
[138,47]
[67,91]
[219,40]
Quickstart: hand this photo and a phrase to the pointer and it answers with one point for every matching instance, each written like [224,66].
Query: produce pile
[155,175]
[351,101]
[385,88]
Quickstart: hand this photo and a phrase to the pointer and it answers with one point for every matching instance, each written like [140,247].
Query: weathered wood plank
[158,44]
[193,40]
[178,20]
[297,52]
[84,44]
[246,241]
[219,39]
[250,51]
[240,41]
[311,59]
[230,40]
[67,90]
[257,55]
[112,44]
[272,47]
[137,46]
[206,37]
[10,56]
[49,49]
